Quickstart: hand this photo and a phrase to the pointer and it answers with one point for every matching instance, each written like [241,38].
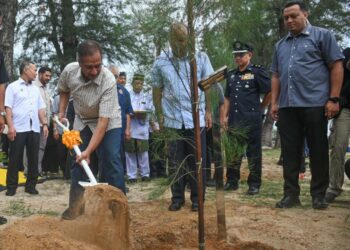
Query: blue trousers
[111,170]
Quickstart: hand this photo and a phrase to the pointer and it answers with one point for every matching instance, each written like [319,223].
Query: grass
[161,185]
[20,209]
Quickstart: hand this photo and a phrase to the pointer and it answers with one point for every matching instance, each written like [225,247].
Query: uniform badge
[248,76]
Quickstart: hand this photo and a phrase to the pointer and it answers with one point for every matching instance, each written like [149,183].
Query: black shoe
[330,197]
[3,220]
[347,168]
[10,192]
[253,190]
[31,191]
[131,181]
[211,183]
[288,202]
[231,186]
[194,207]
[145,178]
[175,206]
[319,203]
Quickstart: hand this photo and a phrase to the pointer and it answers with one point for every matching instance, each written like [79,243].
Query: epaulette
[257,66]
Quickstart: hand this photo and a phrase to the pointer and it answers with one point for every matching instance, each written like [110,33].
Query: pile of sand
[104,225]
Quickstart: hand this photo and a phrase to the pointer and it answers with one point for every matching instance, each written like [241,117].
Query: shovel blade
[89,184]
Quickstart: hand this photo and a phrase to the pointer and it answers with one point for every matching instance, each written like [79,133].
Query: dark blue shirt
[243,88]
[302,65]
[124,103]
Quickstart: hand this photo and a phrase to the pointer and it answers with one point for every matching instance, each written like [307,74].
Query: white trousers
[131,164]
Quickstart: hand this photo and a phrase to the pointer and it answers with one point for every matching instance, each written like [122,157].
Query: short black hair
[291,3]
[88,48]
[44,69]
[24,64]
[122,73]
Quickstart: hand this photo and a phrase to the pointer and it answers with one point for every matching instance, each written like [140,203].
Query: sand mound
[104,225]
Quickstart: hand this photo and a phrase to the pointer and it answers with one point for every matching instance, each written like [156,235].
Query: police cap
[239,47]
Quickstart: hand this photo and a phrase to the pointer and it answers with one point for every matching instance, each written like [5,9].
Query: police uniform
[243,89]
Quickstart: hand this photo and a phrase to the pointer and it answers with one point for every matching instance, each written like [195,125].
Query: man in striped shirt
[97,117]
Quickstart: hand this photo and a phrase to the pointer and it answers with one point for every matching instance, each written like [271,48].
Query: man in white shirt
[25,109]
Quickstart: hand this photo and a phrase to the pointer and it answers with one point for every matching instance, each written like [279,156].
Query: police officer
[243,110]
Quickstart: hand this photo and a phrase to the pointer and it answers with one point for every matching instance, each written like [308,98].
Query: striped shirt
[92,99]
[46,97]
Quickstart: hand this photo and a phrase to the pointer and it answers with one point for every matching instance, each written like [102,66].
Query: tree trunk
[9,9]
[69,33]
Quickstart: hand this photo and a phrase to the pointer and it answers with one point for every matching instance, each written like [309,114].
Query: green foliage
[19,208]
[234,142]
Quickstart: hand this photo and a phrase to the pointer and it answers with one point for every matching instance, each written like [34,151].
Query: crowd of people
[309,86]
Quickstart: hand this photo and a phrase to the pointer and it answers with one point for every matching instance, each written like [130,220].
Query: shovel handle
[78,152]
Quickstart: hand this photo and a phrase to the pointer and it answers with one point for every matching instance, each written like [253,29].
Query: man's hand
[2,123]
[331,109]
[46,131]
[56,135]
[84,156]
[274,112]
[127,134]
[11,134]
[208,120]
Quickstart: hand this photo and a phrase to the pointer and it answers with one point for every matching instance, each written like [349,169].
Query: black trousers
[182,164]
[294,124]
[254,155]
[30,140]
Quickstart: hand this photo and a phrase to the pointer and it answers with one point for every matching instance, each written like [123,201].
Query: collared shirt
[46,97]
[141,101]
[124,103]
[25,101]
[92,99]
[302,65]
[3,73]
[243,89]
[173,76]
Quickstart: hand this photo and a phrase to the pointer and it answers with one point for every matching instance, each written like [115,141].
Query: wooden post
[195,114]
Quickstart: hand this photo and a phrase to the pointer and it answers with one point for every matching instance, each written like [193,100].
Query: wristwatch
[333,99]
[3,113]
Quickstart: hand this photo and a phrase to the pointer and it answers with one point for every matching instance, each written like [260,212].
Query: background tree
[50,30]
[9,10]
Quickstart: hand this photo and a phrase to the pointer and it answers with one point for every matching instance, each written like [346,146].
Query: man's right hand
[2,124]
[274,112]
[11,134]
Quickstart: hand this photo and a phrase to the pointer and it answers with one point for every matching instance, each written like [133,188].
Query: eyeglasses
[91,66]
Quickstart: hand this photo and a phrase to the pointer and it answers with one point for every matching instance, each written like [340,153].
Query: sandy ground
[252,223]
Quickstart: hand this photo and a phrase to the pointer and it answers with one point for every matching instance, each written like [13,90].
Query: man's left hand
[331,109]
[208,120]
[46,131]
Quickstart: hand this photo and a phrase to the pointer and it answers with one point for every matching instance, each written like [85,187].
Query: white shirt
[46,97]
[140,102]
[25,101]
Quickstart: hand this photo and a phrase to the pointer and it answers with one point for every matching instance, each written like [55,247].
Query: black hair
[44,69]
[291,3]
[88,48]
[24,64]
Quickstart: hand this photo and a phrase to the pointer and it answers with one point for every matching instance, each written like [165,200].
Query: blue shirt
[173,75]
[302,65]
[124,103]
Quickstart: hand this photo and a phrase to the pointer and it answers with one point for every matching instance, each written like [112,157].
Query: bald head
[178,39]
[115,71]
